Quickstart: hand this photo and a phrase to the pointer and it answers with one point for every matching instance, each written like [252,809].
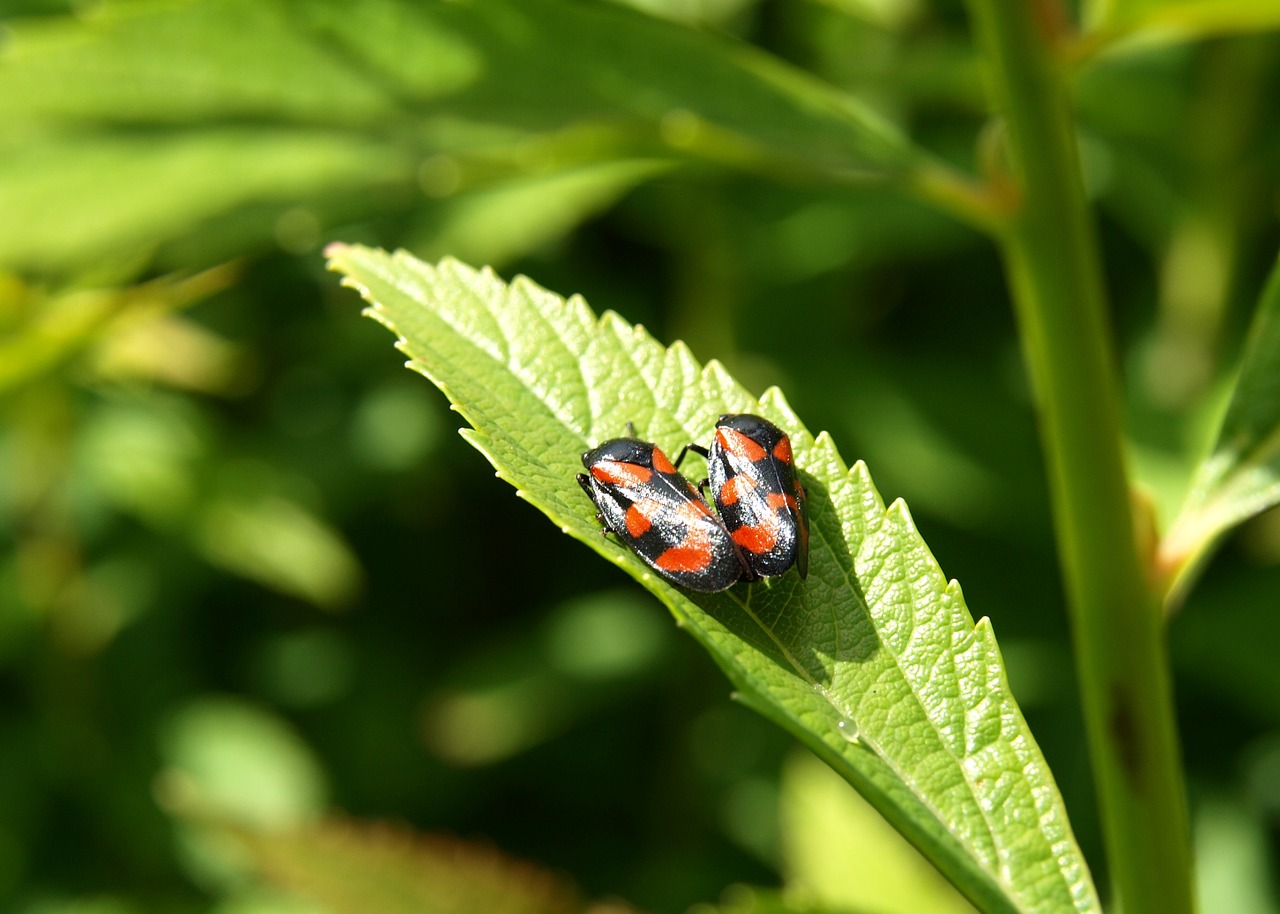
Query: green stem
[1052,261]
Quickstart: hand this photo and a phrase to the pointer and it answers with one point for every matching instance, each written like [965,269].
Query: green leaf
[840,854]
[75,198]
[1241,476]
[59,328]
[181,63]
[361,869]
[874,662]
[495,225]
[494,61]
[743,899]
[361,95]
[1177,19]
[228,759]
[280,544]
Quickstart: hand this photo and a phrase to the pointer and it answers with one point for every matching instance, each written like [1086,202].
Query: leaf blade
[1241,476]
[354,867]
[876,639]
[78,198]
[1186,20]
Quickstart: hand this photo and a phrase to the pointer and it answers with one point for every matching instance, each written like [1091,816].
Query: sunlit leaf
[838,853]
[495,225]
[874,661]
[1158,20]
[74,198]
[1241,477]
[328,62]
[742,899]
[135,125]
[353,869]
[230,759]
[281,544]
[1234,865]
[54,330]
[176,351]
[182,63]
[691,12]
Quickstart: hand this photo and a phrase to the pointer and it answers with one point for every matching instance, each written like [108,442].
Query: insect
[755,489]
[643,499]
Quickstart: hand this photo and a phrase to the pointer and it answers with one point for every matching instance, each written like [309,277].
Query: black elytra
[754,486]
[642,499]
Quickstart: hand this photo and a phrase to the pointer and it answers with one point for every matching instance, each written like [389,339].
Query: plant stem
[1052,262]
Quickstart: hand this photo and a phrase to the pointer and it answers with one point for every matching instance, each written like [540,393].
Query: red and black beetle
[643,499]
[755,489]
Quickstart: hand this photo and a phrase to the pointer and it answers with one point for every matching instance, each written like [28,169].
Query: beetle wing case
[646,503]
[762,503]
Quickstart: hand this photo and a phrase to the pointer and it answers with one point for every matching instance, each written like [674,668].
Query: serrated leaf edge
[713,374]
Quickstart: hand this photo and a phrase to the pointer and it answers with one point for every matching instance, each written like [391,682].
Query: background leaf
[1182,19]
[1241,477]
[841,856]
[80,198]
[354,869]
[874,661]
[145,122]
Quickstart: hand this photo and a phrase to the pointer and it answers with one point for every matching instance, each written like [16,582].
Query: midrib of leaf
[911,763]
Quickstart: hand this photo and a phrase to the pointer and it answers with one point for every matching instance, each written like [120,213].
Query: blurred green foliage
[248,576]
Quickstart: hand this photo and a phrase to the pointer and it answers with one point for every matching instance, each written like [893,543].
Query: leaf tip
[898,510]
[775,400]
[333,250]
[614,322]
[715,372]
[861,473]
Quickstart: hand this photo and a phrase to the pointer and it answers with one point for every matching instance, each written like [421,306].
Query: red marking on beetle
[782,450]
[694,552]
[638,523]
[756,538]
[684,558]
[734,488]
[739,444]
[781,500]
[661,463]
[621,474]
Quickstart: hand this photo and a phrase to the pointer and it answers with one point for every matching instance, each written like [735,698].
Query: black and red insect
[643,499]
[755,489]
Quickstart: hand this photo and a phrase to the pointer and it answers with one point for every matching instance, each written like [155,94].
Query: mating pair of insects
[763,525]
